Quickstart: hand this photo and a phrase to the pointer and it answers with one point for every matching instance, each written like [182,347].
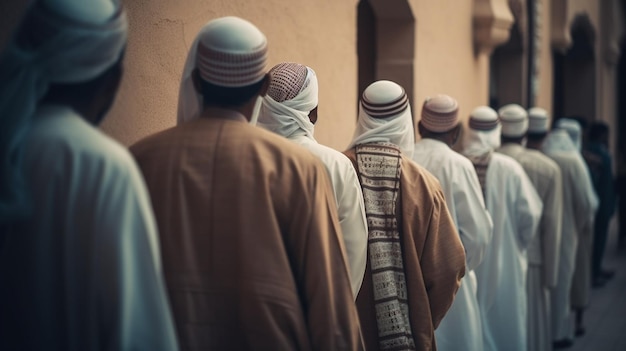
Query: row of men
[264,246]
[249,252]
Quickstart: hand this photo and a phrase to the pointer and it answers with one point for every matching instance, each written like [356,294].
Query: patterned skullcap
[538,121]
[232,52]
[287,81]
[383,99]
[483,118]
[514,120]
[440,113]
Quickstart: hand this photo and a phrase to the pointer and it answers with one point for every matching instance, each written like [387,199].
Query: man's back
[461,327]
[434,260]
[88,258]
[515,209]
[249,234]
[350,207]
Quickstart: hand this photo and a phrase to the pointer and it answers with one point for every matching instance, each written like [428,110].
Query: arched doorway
[385,43]
[509,64]
[575,73]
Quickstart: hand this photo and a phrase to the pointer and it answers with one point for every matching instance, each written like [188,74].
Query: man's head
[440,119]
[64,52]
[538,127]
[385,116]
[483,132]
[76,50]
[573,128]
[290,105]
[514,121]
[225,68]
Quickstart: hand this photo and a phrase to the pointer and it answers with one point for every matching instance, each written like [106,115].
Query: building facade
[562,55]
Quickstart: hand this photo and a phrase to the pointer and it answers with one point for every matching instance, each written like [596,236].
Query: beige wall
[321,34]
[445,58]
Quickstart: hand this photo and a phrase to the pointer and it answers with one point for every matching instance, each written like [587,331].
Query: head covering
[440,113]
[291,95]
[483,134]
[57,42]
[228,52]
[572,127]
[514,120]
[538,121]
[385,116]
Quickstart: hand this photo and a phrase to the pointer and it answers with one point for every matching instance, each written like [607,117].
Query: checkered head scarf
[291,96]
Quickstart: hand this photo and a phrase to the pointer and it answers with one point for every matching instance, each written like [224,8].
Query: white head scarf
[395,129]
[572,127]
[58,42]
[290,117]
[478,143]
[233,54]
[559,140]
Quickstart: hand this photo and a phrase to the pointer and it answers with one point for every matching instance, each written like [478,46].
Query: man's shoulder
[505,164]
[70,136]
[419,176]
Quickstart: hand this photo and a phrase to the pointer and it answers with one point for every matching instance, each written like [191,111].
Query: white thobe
[579,204]
[544,250]
[350,206]
[84,272]
[515,209]
[461,328]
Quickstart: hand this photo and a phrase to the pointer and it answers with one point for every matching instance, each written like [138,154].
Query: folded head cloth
[291,96]
[514,119]
[229,52]
[59,41]
[385,116]
[440,113]
[538,121]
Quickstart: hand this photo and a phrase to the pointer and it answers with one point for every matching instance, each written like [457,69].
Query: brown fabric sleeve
[319,265]
[443,259]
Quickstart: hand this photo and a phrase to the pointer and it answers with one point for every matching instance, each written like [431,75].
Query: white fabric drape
[291,117]
[396,129]
[47,48]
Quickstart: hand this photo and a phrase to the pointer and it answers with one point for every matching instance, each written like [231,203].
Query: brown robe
[249,238]
[433,255]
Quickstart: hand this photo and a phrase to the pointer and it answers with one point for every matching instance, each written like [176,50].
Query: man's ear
[197,81]
[456,132]
[266,84]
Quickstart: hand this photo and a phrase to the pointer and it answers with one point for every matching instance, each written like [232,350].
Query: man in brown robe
[415,257]
[247,220]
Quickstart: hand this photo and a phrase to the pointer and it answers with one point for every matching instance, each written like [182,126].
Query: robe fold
[350,207]
[515,209]
[461,328]
[579,204]
[433,257]
[544,250]
[84,272]
[251,248]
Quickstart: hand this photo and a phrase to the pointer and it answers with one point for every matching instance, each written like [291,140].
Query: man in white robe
[515,210]
[79,258]
[290,109]
[543,252]
[439,127]
[563,145]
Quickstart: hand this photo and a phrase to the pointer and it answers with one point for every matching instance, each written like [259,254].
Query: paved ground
[605,319]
